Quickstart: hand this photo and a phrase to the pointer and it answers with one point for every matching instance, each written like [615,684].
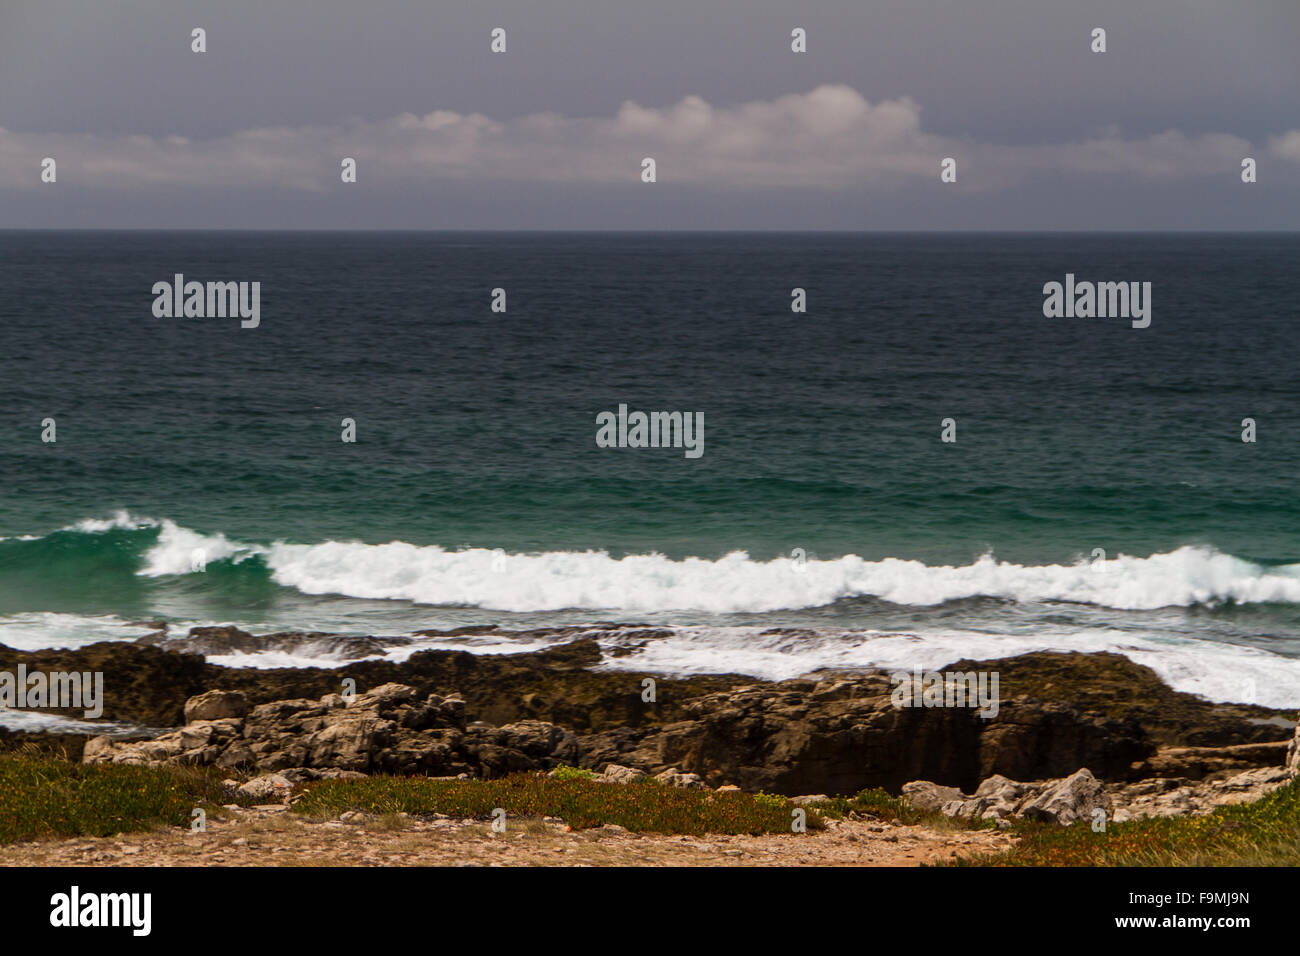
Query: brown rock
[214,705]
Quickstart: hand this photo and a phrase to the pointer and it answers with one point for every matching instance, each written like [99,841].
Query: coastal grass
[879,804]
[639,806]
[1264,833]
[43,797]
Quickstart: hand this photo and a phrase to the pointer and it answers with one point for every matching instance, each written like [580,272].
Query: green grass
[1264,833]
[880,805]
[641,806]
[43,797]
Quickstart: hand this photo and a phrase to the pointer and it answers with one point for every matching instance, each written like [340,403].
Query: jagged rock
[216,704]
[832,733]
[1068,800]
[843,734]
[388,730]
[997,798]
[672,777]
[1077,798]
[1002,800]
[1167,797]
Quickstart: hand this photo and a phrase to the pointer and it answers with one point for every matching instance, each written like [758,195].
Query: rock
[808,799]
[385,697]
[386,730]
[1250,781]
[1032,739]
[1068,800]
[1075,799]
[96,747]
[231,640]
[148,682]
[1058,712]
[1197,763]
[215,705]
[1293,751]
[831,733]
[1002,800]
[997,799]
[841,734]
[672,777]
[925,795]
[617,774]
[1167,797]
[267,788]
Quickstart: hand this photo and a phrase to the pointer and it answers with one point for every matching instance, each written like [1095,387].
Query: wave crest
[734,583]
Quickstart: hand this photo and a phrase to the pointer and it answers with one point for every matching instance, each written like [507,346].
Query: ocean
[1098,494]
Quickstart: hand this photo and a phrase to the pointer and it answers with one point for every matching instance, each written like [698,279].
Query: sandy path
[270,836]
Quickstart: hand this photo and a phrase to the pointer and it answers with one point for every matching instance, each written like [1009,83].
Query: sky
[745,133]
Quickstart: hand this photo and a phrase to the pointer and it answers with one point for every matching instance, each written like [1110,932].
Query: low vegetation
[642,805]
[42,797]
[878,804]
[45,797]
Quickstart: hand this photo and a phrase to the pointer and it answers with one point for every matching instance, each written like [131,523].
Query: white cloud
[1286,146]
[830,137]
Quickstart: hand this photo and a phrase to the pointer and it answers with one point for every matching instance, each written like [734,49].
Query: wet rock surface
[447,712]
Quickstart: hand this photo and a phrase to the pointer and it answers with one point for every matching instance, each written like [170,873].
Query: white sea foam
[176,548]
[119,519]
[37,630]
[593,582]
[735,583]
[1217,671]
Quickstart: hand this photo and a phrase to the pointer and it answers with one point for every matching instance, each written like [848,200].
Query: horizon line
[660,231]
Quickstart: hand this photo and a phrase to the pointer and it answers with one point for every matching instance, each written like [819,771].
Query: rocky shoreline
[1074,734]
